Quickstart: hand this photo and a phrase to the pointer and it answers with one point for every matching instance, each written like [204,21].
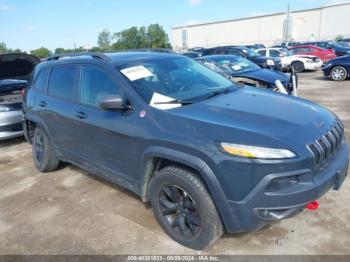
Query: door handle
[42,104]
[81,115]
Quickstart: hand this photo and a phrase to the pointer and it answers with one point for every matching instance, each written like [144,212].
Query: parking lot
[72,212]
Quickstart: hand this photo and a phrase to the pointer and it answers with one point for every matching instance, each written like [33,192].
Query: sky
[30,24]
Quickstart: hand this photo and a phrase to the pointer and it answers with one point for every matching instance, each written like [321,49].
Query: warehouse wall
[314,24]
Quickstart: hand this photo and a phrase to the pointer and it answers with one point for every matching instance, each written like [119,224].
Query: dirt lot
[72,212]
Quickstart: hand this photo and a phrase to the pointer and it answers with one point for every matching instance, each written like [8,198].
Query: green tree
[3,48]
[157,37]
[152,37]
[60,50]
[104,39]
[339,38]
[18,51]
[41,52]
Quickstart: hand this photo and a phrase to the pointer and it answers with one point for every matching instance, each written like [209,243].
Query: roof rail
[92,54]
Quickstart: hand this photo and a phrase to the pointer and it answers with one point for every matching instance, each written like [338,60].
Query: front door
[106,137]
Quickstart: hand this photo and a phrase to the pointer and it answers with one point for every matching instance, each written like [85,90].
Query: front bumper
[313,66]
[261,207]
[11,124]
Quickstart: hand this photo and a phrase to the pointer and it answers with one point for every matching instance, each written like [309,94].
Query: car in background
[15,71]
[337,69]
[250,54]
[241,70]
[338,49]
[344,44]
[287,45]
[255,46]
[299,63]
[324,54]
[345,40]
[192,54]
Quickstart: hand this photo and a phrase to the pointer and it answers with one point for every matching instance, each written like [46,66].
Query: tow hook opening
[312,206]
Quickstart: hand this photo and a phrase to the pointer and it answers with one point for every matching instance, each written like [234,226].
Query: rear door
[57,108]
[106,137]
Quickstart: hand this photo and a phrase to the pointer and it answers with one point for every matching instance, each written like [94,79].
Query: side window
[221,52]
[234,52]
[41,80]
[61,83]
[95,84]
[274,53]
[262,52]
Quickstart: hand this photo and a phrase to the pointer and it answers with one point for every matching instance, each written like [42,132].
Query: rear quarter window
[62,82]
[41,80]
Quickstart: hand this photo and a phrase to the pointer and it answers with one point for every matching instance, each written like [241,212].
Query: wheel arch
[156,157]
[32,120]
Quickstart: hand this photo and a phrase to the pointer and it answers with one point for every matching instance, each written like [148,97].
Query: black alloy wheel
[180,211]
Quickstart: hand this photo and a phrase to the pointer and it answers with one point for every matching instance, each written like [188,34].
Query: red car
[324,54]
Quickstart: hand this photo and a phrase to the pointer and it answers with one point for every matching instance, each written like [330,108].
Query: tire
[184,208]
[338,73]
[298,66]
[44,156]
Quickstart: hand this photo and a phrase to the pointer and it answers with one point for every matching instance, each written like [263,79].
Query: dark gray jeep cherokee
[208,155]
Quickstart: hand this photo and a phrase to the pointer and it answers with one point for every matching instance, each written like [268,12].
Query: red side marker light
[312,205]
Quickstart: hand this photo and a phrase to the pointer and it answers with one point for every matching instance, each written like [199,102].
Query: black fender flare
[39,122]
[204,171]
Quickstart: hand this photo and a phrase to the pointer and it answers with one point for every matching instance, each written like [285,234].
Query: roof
[259,16]
[110,58]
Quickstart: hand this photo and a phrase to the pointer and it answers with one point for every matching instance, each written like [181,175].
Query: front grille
[11,128]
[324,148]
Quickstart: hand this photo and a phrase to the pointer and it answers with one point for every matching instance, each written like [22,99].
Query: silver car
[15,71]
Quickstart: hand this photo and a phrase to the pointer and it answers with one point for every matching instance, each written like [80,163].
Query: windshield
[286,52]
[235,65]
[344,44]
[179,78]
[250,52]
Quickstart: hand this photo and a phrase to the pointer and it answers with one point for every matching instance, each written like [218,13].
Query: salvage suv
[207,154]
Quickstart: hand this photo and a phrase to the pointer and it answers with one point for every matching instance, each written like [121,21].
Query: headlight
[4,108]
[270,62]
[256,151]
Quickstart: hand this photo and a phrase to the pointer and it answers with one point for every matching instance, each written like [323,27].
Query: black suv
[248,53]
[207,154]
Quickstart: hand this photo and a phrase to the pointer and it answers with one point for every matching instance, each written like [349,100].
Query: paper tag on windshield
[236,67]
[159,101]
[136,72]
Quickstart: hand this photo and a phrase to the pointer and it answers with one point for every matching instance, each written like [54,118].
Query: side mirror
[112,102]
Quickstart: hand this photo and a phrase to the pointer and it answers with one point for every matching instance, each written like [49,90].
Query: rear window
[61,84]
[41,80]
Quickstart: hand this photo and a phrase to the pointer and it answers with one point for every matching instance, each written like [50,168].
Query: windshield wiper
[219,92]
[176,101]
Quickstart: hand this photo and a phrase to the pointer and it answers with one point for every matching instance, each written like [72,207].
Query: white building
[324,23]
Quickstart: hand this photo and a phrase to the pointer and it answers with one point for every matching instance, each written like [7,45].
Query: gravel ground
[72,212]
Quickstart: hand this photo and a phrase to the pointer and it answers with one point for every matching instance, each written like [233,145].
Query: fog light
[281,183]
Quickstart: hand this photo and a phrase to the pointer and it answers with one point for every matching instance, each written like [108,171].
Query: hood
[340,59]
[266,75]
[259,117]
[17,66]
